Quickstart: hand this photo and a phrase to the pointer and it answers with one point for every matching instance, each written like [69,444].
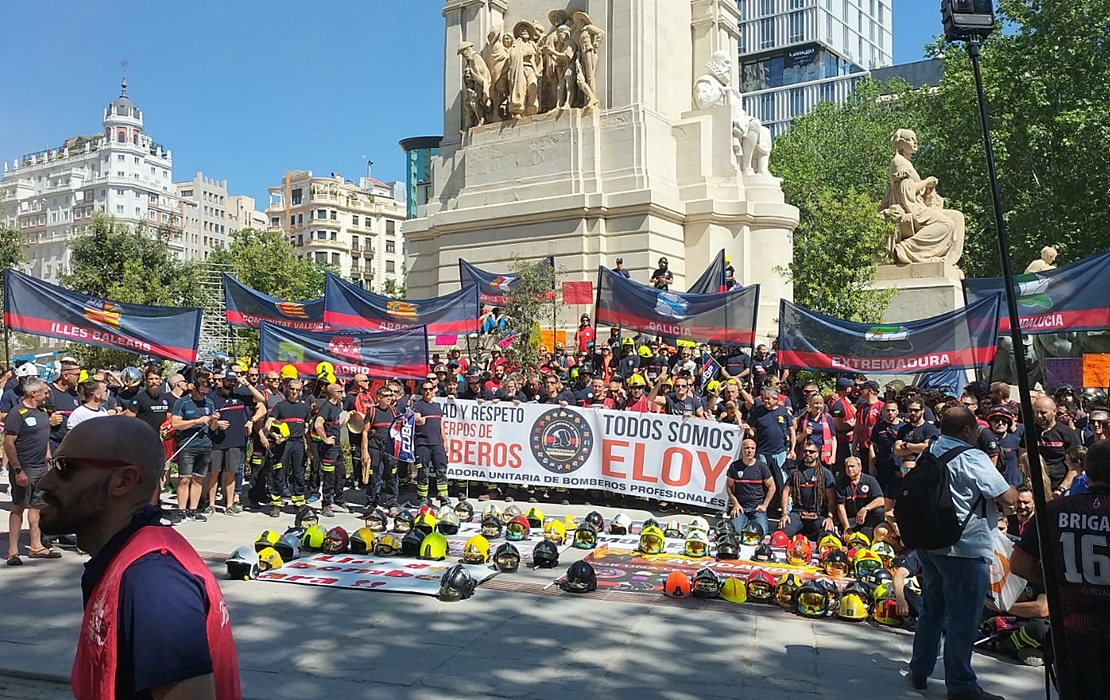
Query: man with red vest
[155,622]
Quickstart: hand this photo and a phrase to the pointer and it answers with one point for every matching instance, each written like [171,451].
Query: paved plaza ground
[515,638]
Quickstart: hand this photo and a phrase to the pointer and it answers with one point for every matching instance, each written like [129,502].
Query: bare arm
[195,688]
[9,452]
[769,484]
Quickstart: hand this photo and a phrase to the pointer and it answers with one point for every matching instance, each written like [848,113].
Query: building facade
[205,219]
[795,54]
[354,227]
[51,195]
[240,209]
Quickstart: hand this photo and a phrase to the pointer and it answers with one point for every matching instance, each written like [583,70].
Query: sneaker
[210,510]
[234,509]
[327,512]
[1031,657]
[340,507]
[174,517]
[314,498]
[198,516]
[977,694]
[444,501]
[275,512]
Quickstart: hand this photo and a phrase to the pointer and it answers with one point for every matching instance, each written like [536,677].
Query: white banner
[392,574]
[635,454]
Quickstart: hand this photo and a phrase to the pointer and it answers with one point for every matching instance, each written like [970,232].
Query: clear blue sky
[243,90]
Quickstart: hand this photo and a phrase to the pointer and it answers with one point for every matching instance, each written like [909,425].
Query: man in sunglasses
[62,399]
[141,574]
[430,439]
[27,447]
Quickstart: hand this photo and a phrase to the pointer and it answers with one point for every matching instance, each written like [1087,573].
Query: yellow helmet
[734,590]
[268,538]
[852,607]
[288,372]
[362,541]
[636,380]
[433,547]
[535,517]
[651,540]
[569,523]
[268,558]
[644,351]
[858,539]
[476,550]
[280,428]
[325,369]
[865,562]
[828,543]
[425,522]
[555,531]
[387,545]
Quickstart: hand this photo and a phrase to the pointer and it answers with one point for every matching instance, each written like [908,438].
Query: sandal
[14,560]
[46,553]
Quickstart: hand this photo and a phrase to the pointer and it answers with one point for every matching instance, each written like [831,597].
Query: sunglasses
[812,452]
[427,388]
[252,376]
[65,465]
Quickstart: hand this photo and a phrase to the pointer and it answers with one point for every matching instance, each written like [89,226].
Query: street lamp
[971,22]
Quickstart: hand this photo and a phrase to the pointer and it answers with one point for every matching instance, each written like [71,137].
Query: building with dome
[51,195]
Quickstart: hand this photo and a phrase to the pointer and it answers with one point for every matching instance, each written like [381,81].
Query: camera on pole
[967,20]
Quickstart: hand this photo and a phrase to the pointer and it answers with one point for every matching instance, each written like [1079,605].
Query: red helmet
[517,529]
[779,539]
[761,586]
[800,551]
[336,541]
[426,509]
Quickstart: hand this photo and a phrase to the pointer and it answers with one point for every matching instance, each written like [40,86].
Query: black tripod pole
[1044,531]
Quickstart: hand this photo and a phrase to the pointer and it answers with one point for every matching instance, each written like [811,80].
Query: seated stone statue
[924,230]
[751,141]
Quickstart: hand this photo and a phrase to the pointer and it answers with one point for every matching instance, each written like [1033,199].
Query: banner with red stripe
[349,306]
[385,354]
[249,308]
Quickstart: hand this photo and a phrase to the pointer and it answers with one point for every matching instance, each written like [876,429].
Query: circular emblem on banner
[561,441]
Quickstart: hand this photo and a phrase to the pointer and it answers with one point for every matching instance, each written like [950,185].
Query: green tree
[1047,83]
[129,264]
[834,165]
[527,304]
[12,254]
[395,288]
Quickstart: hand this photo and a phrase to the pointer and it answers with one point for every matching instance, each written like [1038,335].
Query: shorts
[194,462]
[28,496]
[228,460]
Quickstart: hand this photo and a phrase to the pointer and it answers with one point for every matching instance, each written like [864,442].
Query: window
[136,160]
[321,213]
[322,235]
[767,106]
[274,221]
[743,7]
[334,235]
[119,191]
[186,193]
[828,28]
[882,13]
[334,215]
[390,247]
[119,208]
[121,137]
[297,196]
[797,27]
[354,242]
[766,33]
[390,227]
[797,102]
[321,257]
[120,158]
[354,220]
[335,258]
[300,239]
[828,91]
[766,7]
[300,219]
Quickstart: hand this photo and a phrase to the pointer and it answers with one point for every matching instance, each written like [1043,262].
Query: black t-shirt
[502,395]
[910,562]
[749,487]
[465,391]
[680,407]
[233,408]
[294,415]
[803,482]
[856,496]
[915,435]
[772,429]
[379,421]
[152,410]
[662,278]
[431,432]
[32,428]
[1054,443]
[63,402]
[330,413]
[563,396]
[883,436]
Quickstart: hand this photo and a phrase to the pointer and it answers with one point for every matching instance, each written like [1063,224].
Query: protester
[327,427]
[96,395]
[810,490]
[62,399]
[27,448]
[859,498]
[378,452]
[1053,440]
[662,278]
[231,401]
[140,576]
[749,487]
[286,431]
[955,578]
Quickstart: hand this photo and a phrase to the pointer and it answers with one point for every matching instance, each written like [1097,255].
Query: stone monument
[1047,261]
[592,145]
[925,243]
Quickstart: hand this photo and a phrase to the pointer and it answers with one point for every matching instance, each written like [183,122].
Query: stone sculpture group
[532,70]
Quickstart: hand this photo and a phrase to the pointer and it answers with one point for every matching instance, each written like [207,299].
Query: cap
[440,368]
[27,369]
[585,317]
[844,383]
[872,385]
[473,372]
[620,260]
[451,364]
[1002,411]
[230,374]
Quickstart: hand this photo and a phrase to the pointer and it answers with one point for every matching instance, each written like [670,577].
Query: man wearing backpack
[954,543]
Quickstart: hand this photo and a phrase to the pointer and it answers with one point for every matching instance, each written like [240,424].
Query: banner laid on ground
[712,280]
[634,454]
[492,286]
[385,354]
[722,318]
[248,308]
[348,306]
[39,308]
[965,338]
[390,574]
[1074,297]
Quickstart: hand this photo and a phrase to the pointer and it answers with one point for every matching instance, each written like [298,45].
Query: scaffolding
[215,333]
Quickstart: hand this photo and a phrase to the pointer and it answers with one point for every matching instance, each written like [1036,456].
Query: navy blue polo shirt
[163,610]
[772,429]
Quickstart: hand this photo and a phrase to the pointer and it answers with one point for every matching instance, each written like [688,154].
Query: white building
[51,195]
[355,227]
[797,53]
[240,209]
[204,214]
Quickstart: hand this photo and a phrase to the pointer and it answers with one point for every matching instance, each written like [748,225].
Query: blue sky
[243,90]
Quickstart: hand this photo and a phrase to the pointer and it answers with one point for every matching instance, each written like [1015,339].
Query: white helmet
[243,564]
[27,369]
[698,523]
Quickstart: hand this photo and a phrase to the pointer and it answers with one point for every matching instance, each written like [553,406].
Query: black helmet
[491,526]
[456,583]
[763,553]
[306,517]
[707,584]
[724,525]
[752,534]
[585,537]
[507,558]
[402,522]
[581,578]
[410,545]
[377,521]
[875,578]
[595,518]
[464,511]
[545,555]
[727,547]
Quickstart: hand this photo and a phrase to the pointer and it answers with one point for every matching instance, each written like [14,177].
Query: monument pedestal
[922,290]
